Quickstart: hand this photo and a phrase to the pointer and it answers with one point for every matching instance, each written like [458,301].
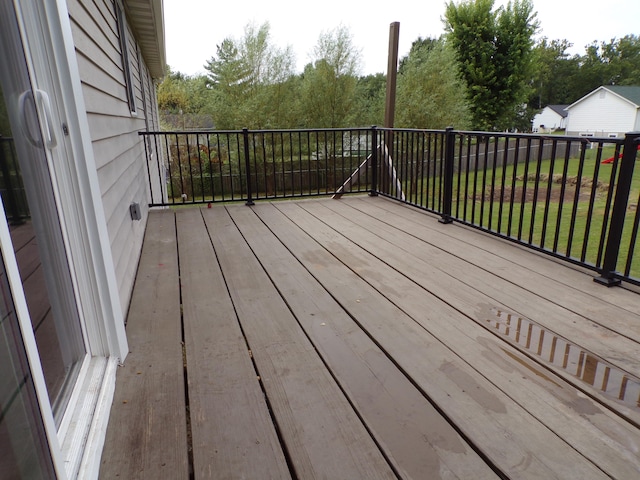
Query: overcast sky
[193,28]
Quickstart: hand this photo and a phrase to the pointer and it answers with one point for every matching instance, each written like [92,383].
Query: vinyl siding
[118,150]
[601,115]
[548,118]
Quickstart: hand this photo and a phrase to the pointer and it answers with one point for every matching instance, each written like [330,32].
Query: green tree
[183,101]
[554,70]
[329,83]
[172,97]
[494,52]
[419,48]
[616,62]
[430,93]
[369,94]
[247,77]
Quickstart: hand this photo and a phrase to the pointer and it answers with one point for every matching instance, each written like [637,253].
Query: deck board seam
[274,420]
[510,346]
[556,372]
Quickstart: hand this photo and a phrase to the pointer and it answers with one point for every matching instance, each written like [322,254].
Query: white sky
[193,28]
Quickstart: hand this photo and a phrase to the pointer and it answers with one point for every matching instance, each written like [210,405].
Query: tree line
[486,72]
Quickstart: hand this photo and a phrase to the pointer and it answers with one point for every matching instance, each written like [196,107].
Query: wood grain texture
[413,434]
[323,435]
[599,435]
[474,404]
[355,331]
[232,432]
[147,433]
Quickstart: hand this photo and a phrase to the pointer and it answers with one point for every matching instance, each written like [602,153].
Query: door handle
[43,104]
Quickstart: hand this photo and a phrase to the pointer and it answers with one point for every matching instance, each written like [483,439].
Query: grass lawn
[569,222]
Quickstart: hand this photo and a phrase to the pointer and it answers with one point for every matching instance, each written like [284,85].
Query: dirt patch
[540,195]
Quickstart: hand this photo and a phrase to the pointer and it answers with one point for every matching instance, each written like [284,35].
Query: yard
[560,205]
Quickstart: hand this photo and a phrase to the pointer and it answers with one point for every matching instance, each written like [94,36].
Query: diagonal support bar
[355,176]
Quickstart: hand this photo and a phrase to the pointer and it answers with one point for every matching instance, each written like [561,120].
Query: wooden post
[392,75]
[386,139]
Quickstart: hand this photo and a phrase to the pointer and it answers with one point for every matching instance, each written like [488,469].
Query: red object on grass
[611,159]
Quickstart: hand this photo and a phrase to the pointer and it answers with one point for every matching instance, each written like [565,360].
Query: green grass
[551,226]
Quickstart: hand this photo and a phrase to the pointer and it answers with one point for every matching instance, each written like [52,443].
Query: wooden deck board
[526,296]
[519,294]
[366,322]
[323,435]
[518,259]
[233,436]
[601,435]
[147,433]
[477,406]
[413,434]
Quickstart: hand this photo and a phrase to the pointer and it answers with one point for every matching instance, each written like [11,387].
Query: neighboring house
[550,119]
[77,83]
[608,111]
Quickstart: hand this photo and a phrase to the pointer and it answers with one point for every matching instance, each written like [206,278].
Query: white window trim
[123,37]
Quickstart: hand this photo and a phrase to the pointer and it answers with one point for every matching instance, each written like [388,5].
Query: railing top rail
[239,132]
[563,138]
[410,130]
[559,138]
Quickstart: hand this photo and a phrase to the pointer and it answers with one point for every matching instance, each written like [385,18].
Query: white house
[550,119]
[608,111]
[77,84]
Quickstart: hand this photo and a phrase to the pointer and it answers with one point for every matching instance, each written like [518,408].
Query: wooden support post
[392,75]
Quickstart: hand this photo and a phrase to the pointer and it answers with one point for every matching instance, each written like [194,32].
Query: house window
[613,135]
[124,48]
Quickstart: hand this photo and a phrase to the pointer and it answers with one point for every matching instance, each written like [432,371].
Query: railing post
[616,226]
[374,162]
[247,163]
[447,187]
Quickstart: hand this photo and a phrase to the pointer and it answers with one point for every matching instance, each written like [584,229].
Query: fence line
[569,197]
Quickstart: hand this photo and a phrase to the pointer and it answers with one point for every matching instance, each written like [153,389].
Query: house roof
[629,93]
[146,19]
[559,109]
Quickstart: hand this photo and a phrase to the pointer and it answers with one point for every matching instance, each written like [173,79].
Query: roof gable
[630,94]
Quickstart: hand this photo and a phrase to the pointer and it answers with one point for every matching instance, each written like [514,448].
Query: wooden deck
[361,339]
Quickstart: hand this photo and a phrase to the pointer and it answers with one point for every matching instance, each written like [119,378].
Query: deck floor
[361,339]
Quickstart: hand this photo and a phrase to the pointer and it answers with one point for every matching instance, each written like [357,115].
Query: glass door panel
[28,144]
[23,445]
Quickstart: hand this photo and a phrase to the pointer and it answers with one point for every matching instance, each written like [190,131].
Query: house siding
[550,119]
[117,148]
[601,114]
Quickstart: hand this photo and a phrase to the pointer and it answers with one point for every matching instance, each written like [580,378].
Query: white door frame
[53,66]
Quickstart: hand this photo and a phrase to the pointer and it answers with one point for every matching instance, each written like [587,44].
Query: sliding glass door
[29,143]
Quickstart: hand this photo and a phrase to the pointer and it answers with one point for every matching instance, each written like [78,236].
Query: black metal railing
[214,166]
[11,188]
[574,198]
